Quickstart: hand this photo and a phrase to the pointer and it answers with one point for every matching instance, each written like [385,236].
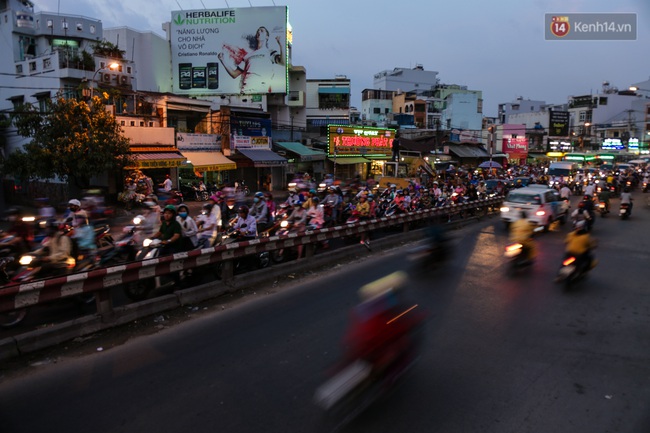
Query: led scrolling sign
[358,141]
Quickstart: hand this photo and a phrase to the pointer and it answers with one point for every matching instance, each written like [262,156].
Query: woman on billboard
[258,67]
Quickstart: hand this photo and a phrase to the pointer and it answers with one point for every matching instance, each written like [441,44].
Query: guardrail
[100,280]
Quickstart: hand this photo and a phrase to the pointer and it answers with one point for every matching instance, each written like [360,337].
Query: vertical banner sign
[558,123]
[230,51]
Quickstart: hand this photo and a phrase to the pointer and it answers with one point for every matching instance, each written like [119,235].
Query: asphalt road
[503,354]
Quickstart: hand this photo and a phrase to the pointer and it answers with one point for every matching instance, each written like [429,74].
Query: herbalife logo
[221,16]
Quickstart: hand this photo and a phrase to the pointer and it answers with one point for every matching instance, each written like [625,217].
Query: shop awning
[465,151]
[209,161]
[349,160]
[144,160]
[304,152]
[263,157]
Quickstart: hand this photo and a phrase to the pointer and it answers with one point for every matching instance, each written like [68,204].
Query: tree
[72,140]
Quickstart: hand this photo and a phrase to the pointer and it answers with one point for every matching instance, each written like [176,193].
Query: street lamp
[112,67]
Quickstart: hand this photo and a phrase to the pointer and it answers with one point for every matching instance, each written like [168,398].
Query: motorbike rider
[59,247]
[84,235]
[216,208]
[260,211]
[207,224]
[565,192]
[399,200]
[315,214]
[333,201]
[626,198]
[579,244]
[521,231]
[170,232]
[74,208]
[245,224]
[383,327]
[189,229]
[603,197]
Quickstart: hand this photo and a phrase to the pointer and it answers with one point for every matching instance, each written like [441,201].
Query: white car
[541,204]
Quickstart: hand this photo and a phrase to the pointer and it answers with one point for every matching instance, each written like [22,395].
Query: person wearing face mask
[260,212]
[293,197]
[189,229]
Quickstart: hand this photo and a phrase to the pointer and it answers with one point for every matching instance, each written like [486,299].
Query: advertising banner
[558,123]
[229,51]
[191,141]
[515,148]
[248,142]
[359,141]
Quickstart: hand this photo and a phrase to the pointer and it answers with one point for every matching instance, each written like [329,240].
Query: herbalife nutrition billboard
[229,51]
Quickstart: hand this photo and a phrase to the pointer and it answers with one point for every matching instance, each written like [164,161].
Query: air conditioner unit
[106,78]
[124,79]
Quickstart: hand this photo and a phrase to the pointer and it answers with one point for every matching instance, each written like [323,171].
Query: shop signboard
[359,141]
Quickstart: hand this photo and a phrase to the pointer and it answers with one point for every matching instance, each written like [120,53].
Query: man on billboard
[258,67]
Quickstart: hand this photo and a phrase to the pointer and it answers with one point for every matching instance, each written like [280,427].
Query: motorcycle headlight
[29,219]
[147,242]
[137,220]
[505,209]
[26,260]
[284,224]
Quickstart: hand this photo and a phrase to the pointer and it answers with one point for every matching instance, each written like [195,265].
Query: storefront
[352,149]
[302,159]
[261,169]
[205,160]
[156,163]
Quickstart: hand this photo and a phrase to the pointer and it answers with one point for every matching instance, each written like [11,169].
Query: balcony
[296,98]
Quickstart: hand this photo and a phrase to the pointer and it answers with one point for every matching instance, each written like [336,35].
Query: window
[133,123]
[128,69]
[515,107]
[92,29]
[386,110]
[32,66]
[47,63]
[141,123]
[17,101]
[19,70]
[602,100]
[376,110]
[80,27]
[582,116]
[122,122]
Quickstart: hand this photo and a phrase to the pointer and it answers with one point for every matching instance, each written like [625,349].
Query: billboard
[558,123]
[359,140]
[229,51]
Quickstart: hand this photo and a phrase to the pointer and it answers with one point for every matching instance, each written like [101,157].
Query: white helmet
[74,202]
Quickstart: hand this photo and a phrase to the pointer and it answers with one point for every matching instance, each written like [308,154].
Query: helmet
[183,206]
[243,209]
[215,197]
[207,205]
[580,225]
[393,186]
[400,192]
[74,202]
[315,200]
[259,194]
[298,203]
[170,207]
[371,196]
[149,204]
[312,191]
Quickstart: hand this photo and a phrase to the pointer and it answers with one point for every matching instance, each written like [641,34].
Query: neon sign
[358,140]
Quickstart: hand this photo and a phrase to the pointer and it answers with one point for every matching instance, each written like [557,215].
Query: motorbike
[518,255]
[141,289]
[573,269]
[602,208]
[624,211]
[242,264]
[9,318]
[363,376]
[434,254]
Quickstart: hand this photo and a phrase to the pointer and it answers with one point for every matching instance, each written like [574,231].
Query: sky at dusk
[497,47]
